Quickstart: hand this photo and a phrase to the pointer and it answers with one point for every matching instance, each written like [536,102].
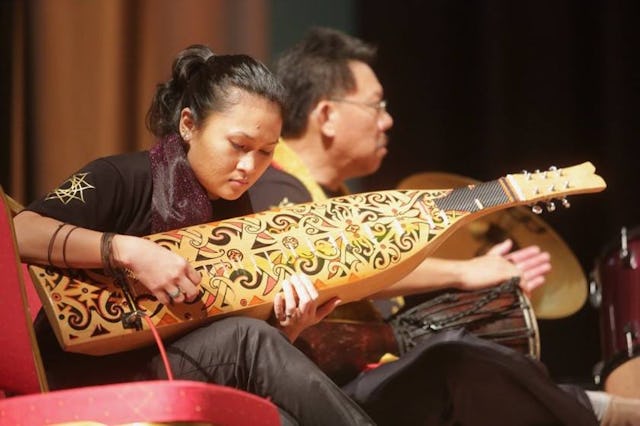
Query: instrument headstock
[554,183]
[565,289]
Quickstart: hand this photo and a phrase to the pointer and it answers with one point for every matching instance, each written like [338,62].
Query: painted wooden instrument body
[350,247]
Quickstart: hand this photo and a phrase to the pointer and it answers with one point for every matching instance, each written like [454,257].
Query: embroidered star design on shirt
[72,189]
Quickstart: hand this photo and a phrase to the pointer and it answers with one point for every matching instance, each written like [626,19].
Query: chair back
[32,295]
[21,369]
[159,402]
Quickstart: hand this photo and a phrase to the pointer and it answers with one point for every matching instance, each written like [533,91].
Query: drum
[616,291]
[344,347]
[502,314]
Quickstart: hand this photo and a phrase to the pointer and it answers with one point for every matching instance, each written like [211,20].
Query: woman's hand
[296,307]
[163,272]
[168,276]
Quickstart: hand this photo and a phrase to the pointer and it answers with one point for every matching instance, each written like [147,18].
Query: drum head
[625,380]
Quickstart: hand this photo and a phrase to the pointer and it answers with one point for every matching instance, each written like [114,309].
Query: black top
[114,194]
[108,194]
[277,188]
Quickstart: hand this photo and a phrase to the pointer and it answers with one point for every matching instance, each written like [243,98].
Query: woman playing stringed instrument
[217,121]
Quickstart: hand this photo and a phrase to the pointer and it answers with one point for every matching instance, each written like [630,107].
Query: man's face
[360,139]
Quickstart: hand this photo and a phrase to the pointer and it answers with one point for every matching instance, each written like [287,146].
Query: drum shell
[618,279]
[350,340]
[502,314]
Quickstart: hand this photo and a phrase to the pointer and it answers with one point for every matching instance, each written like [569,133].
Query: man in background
[334,129]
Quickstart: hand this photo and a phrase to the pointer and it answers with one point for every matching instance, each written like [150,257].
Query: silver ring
[174,294]
[287,316]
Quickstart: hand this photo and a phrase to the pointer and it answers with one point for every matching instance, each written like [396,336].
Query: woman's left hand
[296,307]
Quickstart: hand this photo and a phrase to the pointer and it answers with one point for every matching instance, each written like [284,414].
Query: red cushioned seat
[160,401]
[23,382]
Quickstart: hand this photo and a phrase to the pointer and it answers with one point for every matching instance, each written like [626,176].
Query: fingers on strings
[297,298]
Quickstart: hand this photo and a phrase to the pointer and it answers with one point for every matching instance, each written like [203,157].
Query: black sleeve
[108,194]
[276,188]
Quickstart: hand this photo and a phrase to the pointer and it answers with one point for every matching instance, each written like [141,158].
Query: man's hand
[499,264]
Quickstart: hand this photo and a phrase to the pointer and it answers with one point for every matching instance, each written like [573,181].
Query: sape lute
[350,247]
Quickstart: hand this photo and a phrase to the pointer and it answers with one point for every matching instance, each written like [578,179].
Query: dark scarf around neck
[178,198]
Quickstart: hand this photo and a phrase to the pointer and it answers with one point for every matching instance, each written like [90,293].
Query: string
[163,352]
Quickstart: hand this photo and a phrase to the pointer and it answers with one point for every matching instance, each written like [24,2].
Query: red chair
[25,400]
[32,295]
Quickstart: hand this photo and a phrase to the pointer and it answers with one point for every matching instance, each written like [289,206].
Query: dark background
[486,88]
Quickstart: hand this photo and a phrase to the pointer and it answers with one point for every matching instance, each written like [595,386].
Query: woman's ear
[187,124]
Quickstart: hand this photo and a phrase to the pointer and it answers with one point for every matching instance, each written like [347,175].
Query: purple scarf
[178,198]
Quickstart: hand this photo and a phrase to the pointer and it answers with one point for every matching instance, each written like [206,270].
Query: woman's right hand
[296,307]
[167,275]
[163,272]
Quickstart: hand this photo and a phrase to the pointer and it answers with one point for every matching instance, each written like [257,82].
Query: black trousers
[258,358]
[455,378]
[243,353]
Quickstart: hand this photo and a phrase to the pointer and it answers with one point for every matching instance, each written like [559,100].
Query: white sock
[600,402]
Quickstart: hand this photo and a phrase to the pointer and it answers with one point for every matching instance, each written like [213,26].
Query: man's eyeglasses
[380,106]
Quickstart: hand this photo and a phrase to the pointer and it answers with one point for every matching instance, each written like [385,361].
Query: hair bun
[189,62]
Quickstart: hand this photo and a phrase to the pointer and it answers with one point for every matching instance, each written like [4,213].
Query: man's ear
[187,124]
[325,116]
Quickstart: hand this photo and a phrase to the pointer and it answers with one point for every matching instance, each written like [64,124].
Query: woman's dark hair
[202,82]
[317,68]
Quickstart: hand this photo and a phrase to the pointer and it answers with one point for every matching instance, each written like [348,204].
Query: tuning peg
[536,209]
[555,171]
[565,203]
[526,174]
[551,206]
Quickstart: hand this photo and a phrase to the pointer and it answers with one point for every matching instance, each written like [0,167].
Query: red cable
[163,353]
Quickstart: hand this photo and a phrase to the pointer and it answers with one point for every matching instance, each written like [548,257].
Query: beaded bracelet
[105,252]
